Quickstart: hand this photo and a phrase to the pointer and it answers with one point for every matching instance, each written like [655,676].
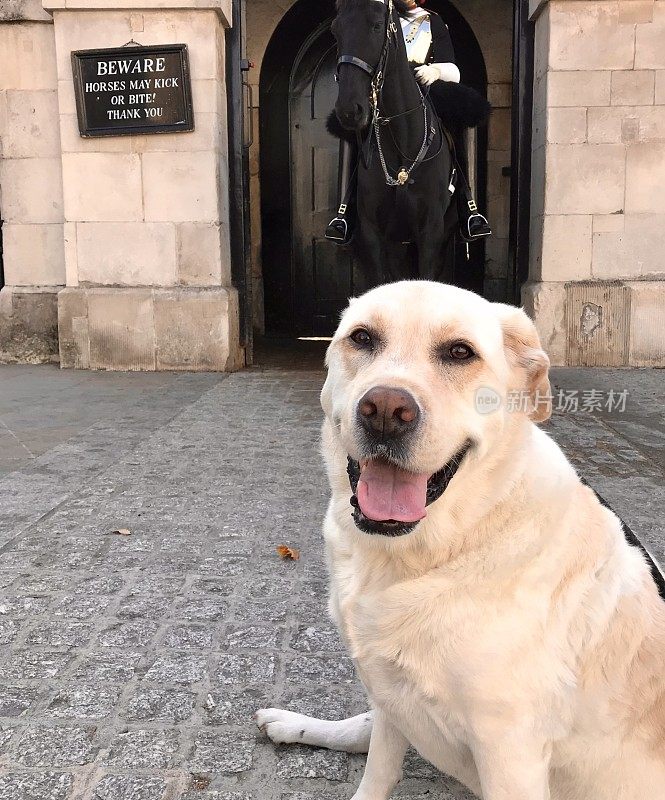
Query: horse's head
[360,28]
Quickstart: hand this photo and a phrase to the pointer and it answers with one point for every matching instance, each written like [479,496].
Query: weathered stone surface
[567,247]
[585,179]
[630,248]
[177,668]
[151,704]
[566,125]
[129,787]
[647,332]
[120,327]
[648,41]
[33,255]
[36,786]
[30,127]
[309,762]
[195,176]
[199,255]
[545,303]
[15,701]
[24,199]
[28,325]
[586,35]
[55,747]
[35,70]
[644,173]
[149,329]
[126,253]
[143,749]
[83,702]
[584,88]
[633,88]
[225,754]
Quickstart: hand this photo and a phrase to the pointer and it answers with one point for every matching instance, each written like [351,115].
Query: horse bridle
[377,75]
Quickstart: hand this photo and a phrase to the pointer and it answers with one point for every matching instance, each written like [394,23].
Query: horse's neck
[401,94]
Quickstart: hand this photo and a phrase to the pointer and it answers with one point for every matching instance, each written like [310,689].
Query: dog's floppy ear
[524,351]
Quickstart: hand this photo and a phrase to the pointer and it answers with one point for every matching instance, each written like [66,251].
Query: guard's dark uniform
[421,28]
[429,44]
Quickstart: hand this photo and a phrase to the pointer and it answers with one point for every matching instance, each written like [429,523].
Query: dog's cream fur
[514,638]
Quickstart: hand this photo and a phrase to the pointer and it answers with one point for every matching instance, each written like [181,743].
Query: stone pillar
[30,184]
[146,217]
[597,283]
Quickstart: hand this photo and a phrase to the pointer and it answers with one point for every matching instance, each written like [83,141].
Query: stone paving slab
[131,665]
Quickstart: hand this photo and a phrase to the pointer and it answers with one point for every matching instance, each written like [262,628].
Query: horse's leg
[371,252]
[430,243]
[396,266]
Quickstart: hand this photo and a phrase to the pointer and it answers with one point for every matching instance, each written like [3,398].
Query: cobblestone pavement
[131,665]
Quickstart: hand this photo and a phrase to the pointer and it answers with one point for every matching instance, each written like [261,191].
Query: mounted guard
[419,64]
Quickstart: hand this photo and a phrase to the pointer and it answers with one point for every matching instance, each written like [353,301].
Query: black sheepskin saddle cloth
[457,105]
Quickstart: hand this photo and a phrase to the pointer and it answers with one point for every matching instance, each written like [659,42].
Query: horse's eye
[460,352]
[377,27]
[362,338]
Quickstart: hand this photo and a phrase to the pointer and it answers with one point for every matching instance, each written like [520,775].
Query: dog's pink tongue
[388,492]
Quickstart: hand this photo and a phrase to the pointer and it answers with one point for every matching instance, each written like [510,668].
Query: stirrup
[477,227]
[338,231]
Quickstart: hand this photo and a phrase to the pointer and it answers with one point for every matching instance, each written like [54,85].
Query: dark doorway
[307,280]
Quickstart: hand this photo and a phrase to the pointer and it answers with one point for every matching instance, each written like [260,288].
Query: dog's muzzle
[436,486]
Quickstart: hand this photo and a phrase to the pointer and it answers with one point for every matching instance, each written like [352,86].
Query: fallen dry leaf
[122,532]
[287,552]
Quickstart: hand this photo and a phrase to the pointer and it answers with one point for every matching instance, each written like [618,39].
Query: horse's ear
[525,353]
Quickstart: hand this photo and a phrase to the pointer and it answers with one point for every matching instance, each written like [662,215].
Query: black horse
[405,166]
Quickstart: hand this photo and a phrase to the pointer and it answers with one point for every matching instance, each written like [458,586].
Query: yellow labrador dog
[497,616]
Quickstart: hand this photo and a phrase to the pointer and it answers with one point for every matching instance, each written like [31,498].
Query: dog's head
[422,376]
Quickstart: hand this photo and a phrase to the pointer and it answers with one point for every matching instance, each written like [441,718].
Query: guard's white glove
[427,74]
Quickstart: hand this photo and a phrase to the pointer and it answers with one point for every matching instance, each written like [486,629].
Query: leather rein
[377,75]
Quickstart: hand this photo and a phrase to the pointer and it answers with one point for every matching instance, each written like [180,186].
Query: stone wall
[136,227]
[598,173]
[31,204]
[148,215]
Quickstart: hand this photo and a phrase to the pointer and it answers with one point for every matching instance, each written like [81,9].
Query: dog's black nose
[387,411]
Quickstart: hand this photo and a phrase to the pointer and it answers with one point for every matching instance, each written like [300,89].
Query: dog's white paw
[281,727]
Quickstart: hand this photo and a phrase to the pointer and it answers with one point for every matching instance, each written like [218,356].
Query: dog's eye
[362,338]
[460,352]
